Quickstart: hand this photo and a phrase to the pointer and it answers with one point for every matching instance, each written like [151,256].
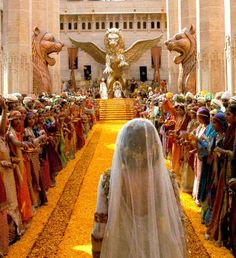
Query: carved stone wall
[230,45]
[45,14]
[17,65]
[89,27]
[19,18]
[210,45]
[213,51]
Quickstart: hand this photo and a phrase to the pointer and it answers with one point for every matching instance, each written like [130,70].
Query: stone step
[116,109]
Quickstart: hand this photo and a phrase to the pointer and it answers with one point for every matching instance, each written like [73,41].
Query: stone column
[233,25]
[188,13]
[1,54]
[187,17]
[230,45]
[54,27]
[210,45]
[16,45]
[229,76]
[40,14]
[45,15]
[172,29]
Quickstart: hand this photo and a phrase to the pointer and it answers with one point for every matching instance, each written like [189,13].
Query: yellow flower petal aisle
[193,217]
[76,242]
[63,227]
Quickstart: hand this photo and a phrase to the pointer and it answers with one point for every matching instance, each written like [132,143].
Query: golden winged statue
[115,57]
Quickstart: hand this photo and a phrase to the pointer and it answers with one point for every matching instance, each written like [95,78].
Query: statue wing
[135,51]
[92,49]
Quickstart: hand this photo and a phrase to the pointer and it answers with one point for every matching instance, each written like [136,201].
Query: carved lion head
[113,40]
[184,43]
[44,44]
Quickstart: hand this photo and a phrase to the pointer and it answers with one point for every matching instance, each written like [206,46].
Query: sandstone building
[87,20]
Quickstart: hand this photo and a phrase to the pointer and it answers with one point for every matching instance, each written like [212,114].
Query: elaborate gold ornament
[185,44]
[43,44]
[115,57]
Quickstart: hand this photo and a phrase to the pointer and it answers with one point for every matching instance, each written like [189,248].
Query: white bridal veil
[143,216]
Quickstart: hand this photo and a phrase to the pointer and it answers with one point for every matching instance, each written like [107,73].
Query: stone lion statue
[185,44]
[115,57]
[43,44]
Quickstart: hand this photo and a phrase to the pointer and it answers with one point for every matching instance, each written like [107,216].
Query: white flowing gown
[140,218]
[103,90]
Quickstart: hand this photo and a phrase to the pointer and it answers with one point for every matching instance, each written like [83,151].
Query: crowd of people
[38,136]
[198,137]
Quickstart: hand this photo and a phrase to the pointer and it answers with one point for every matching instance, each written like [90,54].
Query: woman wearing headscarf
[137,214]
[36,187]
[203,133]
[16,143]
[182,119]
[187,168]
[212,167]
[4,230]
[7,174]
[222,224]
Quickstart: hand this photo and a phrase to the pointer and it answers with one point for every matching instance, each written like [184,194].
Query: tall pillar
[45,15]
[1,54]
[232,11]
[187,17]
[54,27]
[210,45]
[16,44]
[229,62]
[172,29]
[188,13]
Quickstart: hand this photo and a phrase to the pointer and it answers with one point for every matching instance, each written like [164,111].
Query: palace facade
[87,20]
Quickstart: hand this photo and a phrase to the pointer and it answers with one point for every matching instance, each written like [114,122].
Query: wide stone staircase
[116,109]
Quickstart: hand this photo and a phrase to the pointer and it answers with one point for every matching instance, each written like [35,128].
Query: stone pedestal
[16,45]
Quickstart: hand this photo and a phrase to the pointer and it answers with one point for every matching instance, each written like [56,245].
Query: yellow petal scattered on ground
[193,213]
[80,226]
[21,248]
[76,240]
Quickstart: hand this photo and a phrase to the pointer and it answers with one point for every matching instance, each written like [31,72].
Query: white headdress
[226,95]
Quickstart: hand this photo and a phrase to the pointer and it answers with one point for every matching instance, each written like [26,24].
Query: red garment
[45,173]
[79,134]
[181,125]
[23,195]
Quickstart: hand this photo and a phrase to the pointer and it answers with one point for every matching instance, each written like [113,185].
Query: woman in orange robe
[181,119]
[16,144]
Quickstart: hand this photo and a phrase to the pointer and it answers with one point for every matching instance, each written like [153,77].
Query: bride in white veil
[144,220]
